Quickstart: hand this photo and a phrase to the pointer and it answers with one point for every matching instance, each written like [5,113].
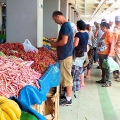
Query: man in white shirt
[74,28]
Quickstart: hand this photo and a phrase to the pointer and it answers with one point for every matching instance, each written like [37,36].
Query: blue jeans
[95,55]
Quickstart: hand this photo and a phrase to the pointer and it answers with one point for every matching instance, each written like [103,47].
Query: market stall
[30,79]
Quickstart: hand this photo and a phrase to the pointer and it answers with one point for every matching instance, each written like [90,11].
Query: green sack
[27,116]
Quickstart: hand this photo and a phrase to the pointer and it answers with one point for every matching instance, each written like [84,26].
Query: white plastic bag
[110,64]
[29,47]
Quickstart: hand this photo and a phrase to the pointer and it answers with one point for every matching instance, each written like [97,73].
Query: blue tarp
[26,108]
[30,95]
[50,79]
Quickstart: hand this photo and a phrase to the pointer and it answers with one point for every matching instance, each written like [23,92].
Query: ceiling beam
[71,1]
[79,1]
[84,7]
[80,4]
[101,3]
[108,9]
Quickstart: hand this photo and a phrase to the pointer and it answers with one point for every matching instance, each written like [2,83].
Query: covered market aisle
[30,79]
[94,102]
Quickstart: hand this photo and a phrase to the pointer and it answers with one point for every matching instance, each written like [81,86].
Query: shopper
[95,24]
[89,50]
[106,48]
[103,20]
[80,44]
[98,34]
[65,50]
[111,25]
[74,28]
[116,32]
[94,43]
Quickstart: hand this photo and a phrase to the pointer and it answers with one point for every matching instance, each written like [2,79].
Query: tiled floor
[94,102]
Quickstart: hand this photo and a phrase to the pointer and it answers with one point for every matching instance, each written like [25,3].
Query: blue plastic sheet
[30,95]
[24,107]
[51,78]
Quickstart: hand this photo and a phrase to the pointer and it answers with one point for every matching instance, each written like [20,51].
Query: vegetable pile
[47,41]
[14,75]
[42,59]
[14,70]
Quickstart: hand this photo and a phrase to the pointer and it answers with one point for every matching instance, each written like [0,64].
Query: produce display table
[32,98]
[41,99]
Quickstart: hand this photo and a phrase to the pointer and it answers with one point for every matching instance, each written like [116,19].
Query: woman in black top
[80,46]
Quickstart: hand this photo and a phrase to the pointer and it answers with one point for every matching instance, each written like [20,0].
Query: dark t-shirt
[66,50]
[83,41]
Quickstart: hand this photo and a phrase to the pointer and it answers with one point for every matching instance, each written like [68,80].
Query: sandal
[117,80]
[106,85]
[86,76]
[100,81]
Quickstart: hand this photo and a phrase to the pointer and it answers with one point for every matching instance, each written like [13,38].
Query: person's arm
[111,48]
[92,38]
[115,32]
[96,32]
[61,42]
[65,31]
[76,41]
[112,45]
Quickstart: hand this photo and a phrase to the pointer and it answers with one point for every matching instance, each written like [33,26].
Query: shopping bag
[29,47]
[110,64]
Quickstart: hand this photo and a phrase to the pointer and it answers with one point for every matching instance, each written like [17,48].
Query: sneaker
[66,102]
[62,98]
[117,80]
[106,85]
[100,81]
[116,76]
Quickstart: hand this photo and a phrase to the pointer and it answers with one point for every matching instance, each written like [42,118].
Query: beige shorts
[65,69]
